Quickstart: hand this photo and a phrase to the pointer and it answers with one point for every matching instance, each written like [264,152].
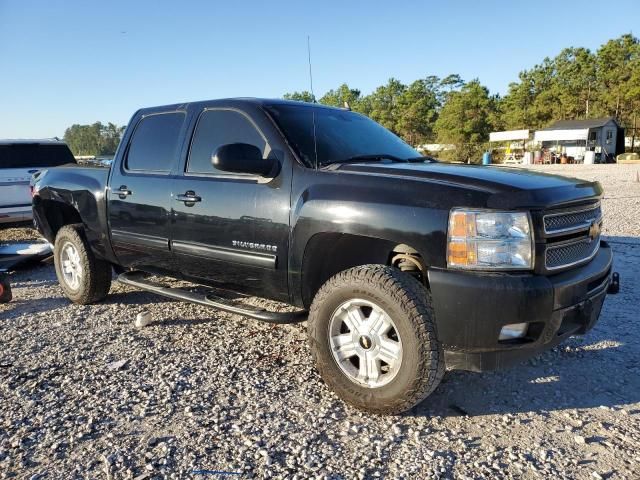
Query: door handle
[122,192]
[188,197]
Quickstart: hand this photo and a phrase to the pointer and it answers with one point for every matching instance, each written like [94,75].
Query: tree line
[94,139]
[576,84]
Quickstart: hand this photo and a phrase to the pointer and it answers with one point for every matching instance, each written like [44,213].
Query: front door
[228,229]
[140,192]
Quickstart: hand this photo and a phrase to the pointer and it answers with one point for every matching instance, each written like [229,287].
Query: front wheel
[373,337]
[84,278]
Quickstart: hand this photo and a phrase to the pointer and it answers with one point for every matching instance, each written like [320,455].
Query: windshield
[341,135]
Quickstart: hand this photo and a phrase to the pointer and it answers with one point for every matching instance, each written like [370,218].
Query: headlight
[486,240]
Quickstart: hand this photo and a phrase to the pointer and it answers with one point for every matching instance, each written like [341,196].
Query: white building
[602,136]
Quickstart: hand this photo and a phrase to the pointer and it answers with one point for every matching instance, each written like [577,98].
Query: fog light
[513,330]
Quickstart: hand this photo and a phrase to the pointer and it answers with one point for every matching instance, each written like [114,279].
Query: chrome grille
[563,256]
[572,236]
[575,221]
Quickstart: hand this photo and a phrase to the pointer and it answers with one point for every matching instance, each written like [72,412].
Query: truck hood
[507,187]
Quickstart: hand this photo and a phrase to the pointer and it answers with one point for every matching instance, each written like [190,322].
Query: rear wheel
[84,278]
[373,337]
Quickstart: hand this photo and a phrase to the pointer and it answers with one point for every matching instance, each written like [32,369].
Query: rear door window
[35,155]
[155,142]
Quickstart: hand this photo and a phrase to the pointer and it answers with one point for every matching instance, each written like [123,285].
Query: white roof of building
[509,135]
[557,135]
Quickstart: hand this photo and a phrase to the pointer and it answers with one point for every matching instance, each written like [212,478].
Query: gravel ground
[84,394]
[15,234]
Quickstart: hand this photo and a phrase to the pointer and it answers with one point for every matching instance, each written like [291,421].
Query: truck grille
[573,236]
[557,223]
[563,256]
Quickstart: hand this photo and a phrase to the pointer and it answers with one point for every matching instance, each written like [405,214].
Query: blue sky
[66,62]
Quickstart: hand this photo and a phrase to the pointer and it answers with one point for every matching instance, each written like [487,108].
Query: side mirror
[241,158]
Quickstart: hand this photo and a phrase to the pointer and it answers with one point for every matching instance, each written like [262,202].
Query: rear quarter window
[35,155]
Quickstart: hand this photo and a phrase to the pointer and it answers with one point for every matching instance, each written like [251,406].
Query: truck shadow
[31,307]
[135,297]
[558,380]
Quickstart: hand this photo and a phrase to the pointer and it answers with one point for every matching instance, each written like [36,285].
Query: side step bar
[137,279]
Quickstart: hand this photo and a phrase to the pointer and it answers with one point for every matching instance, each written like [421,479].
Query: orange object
[462,225]
[459,254]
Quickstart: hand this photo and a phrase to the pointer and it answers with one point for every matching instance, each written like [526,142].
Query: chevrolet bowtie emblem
[594,230]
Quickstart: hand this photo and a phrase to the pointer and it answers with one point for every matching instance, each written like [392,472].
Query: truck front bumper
[471,309]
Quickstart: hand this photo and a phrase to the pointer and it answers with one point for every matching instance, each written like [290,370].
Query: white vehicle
[19,159]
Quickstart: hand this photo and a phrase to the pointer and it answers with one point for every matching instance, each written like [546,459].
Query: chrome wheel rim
[71,266]
[365,343]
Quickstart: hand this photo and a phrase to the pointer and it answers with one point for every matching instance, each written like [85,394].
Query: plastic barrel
[486,158]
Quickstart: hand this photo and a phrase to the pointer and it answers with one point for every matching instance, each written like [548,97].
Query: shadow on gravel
[577,382]
[185,321]
[30,283]
[30,307]
[34,306]
[136,297]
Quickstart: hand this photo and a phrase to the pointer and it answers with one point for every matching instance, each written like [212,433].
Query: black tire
[5,289]
[95,282]
[408,304]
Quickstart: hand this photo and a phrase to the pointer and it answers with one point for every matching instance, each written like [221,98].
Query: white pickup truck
[19,159]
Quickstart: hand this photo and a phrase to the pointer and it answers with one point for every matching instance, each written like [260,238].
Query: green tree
[617,63]
[417,111]
[94,139]
[632,96]
[575,82]
[304,96]
[466,120]
[448,84]
[533,102]
[516,106]
[383,104]
[341,96]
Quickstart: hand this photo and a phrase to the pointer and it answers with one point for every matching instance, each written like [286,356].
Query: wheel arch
[51,215]
[329,253]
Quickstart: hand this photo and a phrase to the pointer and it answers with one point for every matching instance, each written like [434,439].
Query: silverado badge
[255,246]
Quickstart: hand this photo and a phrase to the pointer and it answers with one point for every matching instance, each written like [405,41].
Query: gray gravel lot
[84,394]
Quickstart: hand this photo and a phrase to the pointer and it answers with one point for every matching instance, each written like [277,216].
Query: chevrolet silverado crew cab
[402,265]
[19,159]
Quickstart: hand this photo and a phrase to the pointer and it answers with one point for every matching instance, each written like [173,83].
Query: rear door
[236,231]
[140,191]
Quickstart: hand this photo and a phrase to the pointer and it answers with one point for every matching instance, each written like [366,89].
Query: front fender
[366,211]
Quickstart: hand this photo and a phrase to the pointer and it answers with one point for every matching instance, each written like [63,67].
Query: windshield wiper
[425,158]
[372,157]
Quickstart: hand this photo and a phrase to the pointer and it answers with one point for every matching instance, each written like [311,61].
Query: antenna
[313,113]
[310,73]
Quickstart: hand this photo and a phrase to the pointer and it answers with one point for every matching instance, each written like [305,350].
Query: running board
[137,279]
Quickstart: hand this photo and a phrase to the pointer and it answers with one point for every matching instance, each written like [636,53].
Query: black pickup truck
[401,264]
